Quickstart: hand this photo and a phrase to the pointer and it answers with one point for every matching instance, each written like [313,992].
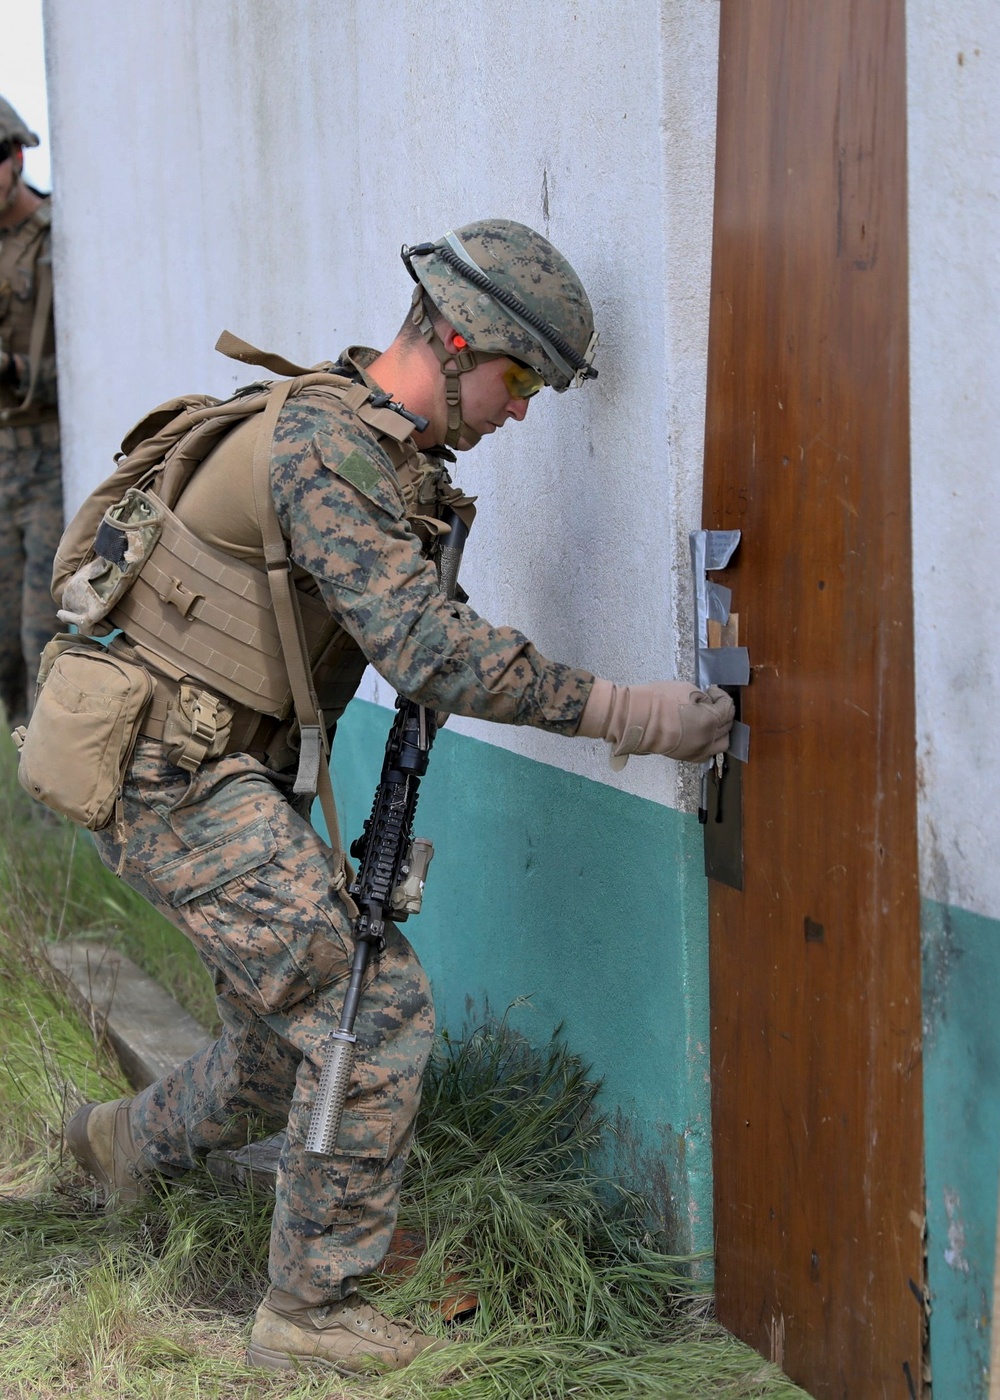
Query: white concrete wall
[954,174]
[22,81]
[245,164]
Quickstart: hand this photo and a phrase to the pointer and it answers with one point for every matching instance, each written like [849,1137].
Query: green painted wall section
[589,902]
[962,1137]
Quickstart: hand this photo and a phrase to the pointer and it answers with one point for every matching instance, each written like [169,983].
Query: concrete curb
[150,1032]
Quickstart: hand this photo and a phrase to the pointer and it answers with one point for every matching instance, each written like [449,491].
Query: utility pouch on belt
[197,727]
[78,743]
[124,541]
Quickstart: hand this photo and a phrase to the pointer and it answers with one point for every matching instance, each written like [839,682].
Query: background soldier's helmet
[12,128]
[510,292]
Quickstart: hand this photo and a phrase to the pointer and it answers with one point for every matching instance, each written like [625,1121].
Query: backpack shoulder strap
[234,348]
[313,774]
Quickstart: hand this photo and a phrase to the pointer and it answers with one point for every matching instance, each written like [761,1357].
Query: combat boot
[348,1336]
[99,1137]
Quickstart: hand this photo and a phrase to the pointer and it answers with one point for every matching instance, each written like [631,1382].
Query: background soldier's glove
[667,717]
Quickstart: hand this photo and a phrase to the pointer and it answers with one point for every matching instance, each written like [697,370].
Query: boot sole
[268,1360]
[366,1364]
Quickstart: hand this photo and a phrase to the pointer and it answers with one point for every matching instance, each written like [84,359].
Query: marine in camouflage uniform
[223,853]
[31,507]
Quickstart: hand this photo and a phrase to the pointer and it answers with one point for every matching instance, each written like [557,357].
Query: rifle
[392,868]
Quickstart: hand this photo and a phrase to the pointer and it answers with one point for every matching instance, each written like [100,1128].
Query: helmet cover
[519,261]
[12,128]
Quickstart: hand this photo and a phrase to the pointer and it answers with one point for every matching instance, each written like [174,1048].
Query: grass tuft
[500,1183]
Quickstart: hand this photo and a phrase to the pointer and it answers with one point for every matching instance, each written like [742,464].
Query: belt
[41,417]
[251,732]
[43,433]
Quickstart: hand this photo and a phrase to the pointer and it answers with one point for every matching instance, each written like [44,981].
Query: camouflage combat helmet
[12,128]
[507,291]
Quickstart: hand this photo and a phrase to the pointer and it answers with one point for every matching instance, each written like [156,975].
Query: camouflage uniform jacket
[359,511]
[21,250]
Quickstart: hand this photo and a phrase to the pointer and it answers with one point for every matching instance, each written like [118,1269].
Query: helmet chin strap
[17,175]
[453,365]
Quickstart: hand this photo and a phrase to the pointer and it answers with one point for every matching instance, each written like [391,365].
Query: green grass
[53,882]
[50,1062]
[575,1297]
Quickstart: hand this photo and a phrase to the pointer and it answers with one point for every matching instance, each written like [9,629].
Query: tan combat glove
[667,717]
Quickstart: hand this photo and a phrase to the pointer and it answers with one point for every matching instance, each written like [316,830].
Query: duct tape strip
[720,546]
[710,549]
[726,666]
[723,666]
[739,742]
[720,601]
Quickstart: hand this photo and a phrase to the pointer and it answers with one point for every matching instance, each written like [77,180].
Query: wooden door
[815,964]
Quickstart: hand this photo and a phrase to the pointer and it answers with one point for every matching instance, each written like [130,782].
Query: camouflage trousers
[31,522]
[227,859]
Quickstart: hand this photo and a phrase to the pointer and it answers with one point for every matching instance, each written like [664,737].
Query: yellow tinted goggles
[522,381]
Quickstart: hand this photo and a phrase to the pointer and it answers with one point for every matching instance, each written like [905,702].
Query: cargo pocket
[204,869]
[330,1193]
[272,943]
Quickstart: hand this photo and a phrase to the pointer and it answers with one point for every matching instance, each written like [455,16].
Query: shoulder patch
[364,475]
[360,472]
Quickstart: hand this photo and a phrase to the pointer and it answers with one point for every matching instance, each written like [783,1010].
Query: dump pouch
[125,539]
[78,743]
